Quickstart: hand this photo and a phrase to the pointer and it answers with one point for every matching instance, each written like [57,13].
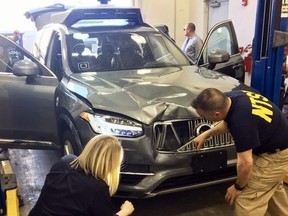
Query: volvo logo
[202,128]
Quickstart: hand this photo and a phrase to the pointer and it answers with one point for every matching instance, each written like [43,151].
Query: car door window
[223,37]
[10,53]
[5,60]
[219,37]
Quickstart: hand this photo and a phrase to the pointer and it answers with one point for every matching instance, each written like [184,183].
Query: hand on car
[199,141]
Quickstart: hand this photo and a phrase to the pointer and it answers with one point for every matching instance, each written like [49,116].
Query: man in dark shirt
[260,133]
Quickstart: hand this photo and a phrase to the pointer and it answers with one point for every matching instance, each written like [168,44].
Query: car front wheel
[69,143]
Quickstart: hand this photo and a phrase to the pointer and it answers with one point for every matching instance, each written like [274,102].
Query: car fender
[66,123]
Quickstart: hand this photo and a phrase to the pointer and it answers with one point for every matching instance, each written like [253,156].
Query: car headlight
[113,125]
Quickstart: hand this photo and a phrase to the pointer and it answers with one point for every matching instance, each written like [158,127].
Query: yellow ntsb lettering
[260,106]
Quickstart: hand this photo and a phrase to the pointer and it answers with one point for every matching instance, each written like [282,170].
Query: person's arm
[244,169]
[218,129]
[191,53]
[126,209]
[102,204]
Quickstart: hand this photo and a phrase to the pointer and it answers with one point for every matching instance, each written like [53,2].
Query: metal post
[268,57]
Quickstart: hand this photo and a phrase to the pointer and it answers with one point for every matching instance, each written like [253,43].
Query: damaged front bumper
[176,164]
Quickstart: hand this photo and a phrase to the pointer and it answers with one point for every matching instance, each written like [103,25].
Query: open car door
[27,88]
[223,37]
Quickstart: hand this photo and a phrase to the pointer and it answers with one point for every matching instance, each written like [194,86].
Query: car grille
[177,136]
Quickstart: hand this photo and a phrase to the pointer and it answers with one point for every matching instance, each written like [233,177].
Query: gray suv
[104,70]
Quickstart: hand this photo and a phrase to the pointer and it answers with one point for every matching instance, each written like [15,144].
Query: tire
[69,143]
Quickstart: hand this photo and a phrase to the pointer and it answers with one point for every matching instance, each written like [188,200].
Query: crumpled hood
[149,94]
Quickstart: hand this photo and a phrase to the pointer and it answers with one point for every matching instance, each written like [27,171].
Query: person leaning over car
[259,130]
[84,185]
[193,43]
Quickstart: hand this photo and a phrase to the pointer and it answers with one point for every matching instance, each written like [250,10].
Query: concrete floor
[31,167]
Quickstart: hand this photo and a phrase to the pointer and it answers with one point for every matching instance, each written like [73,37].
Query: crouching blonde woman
[84,185]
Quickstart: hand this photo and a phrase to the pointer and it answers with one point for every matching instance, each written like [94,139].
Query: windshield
[122,51]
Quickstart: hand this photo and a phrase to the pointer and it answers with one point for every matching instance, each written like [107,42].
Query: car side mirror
[25,68]
[217,56]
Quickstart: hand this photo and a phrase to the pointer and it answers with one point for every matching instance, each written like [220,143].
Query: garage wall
[176,13]
[158,12]
[217,13]
[244,20]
